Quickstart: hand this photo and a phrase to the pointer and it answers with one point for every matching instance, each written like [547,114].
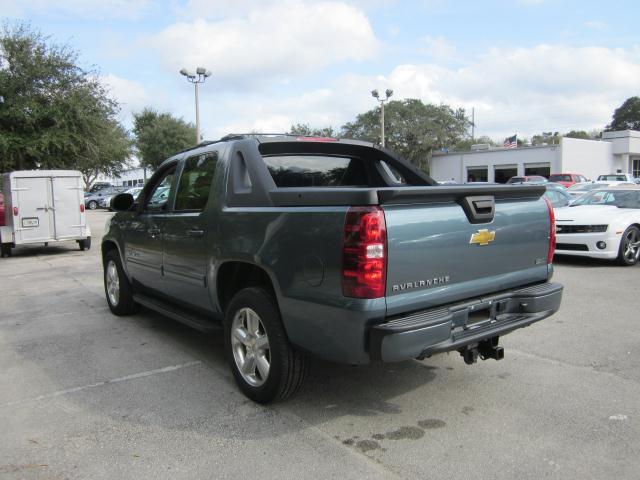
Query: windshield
[615,198]
[559,178]
[613,178]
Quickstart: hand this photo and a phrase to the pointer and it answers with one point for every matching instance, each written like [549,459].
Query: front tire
[92,205]
[629,250]
[117,286]
[265,365]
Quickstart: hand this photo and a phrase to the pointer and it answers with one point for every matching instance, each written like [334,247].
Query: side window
[195,182]
[392,173]
[157,200]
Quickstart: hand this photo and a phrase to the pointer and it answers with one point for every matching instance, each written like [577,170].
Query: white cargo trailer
[43,206]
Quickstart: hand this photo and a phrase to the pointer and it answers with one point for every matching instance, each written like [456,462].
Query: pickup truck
[297,246]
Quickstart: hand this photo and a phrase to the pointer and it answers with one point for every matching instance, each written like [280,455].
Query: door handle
[195,233]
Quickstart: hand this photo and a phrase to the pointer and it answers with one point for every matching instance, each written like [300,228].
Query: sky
[524,66]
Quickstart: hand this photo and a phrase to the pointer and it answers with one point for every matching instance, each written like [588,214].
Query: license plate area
[485,313]
[32,222]
[478,315]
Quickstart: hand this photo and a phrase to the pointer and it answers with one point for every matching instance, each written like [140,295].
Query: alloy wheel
[631,246]
[113,283]
[250,346]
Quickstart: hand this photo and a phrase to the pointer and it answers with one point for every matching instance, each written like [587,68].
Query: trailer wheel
[85,244]
[5,250]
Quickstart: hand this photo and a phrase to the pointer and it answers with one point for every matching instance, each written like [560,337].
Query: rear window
[316,171]
[560,178]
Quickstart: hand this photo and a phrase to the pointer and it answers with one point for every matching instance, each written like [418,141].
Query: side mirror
[122,202]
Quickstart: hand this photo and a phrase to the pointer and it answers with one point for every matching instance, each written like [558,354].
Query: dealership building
[617,152]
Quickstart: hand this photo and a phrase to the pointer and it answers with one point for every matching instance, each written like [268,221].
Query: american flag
[511,142]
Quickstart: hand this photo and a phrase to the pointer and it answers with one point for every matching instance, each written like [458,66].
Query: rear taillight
[364,253]
[552,232]
[82,208]
[15,211]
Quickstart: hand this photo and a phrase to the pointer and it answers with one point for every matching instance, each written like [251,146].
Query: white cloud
[96,9]
[439,48]
[131,95]
[269,41]
[318,108]
[525,89]
[595,24]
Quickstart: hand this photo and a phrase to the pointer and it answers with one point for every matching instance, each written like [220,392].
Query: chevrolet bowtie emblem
[482,237]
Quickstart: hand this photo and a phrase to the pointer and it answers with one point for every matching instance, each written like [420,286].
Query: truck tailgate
[436,255]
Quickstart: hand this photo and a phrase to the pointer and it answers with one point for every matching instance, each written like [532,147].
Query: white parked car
[580,189]
[133,191]
[602,224]
[618,177]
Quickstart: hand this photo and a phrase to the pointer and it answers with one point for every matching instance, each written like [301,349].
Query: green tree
[305,129]
[160,135]
[626,116]
[465,143]
[546,138]
[412,129]
[54,114]
[578,134]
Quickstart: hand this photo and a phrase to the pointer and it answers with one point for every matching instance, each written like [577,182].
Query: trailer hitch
[485,349]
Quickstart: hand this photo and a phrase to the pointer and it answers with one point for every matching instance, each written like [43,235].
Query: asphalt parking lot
[85,394]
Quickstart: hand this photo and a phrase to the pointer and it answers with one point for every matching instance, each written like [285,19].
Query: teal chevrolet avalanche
[298,246]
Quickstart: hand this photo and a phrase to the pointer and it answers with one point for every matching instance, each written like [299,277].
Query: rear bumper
[462,324]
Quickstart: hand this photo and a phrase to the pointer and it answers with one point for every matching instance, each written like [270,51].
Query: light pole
[196,78]
[374,93]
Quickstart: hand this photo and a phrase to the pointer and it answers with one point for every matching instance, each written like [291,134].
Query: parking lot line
[134,376]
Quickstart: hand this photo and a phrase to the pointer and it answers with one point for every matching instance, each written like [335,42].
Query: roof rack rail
[204,143]
[233,136]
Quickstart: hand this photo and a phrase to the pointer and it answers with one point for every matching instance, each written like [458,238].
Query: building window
[543,169]
[636,167]
[477,174]
[502,173]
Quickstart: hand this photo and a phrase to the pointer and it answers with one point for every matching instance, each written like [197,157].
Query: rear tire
[629,250]
[5,250]
[92,205]
[265,365]
[117,287]
[85,244]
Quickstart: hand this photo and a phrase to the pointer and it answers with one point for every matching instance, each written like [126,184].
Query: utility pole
[374,93]
[473,123]
[197,78]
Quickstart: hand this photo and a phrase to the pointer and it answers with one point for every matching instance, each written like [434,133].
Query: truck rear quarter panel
[301,250]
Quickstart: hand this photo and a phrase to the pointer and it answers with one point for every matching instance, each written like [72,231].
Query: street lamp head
[374,93]
[200,70]
[388,92]
[207,73]
[184,72]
